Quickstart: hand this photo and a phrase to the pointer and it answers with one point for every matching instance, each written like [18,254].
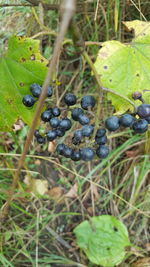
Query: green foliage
[125,68]
[103,239]
[21,66]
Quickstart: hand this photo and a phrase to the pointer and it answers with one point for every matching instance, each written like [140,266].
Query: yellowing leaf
[141,28]
[125,68]
[56,193]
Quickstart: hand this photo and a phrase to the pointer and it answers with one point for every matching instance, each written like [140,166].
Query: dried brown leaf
[56,193]
[18,125]
[72,193]
[132,153]
[95,191]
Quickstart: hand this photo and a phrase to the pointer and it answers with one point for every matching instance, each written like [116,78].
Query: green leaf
[21,66]
[103,239]
[125,68]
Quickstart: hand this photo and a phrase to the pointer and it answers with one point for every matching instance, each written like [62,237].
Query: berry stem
[80,44]
[99,88]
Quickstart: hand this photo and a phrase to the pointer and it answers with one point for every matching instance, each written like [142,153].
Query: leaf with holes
[103,239]
[21,66]
[125,68]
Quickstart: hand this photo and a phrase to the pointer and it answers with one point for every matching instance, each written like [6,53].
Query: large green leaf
[103,239]
[125,68]
[21,66]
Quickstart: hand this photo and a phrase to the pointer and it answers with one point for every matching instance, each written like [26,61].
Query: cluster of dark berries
[86,141]
[35,89]
[138,122]
[85,134]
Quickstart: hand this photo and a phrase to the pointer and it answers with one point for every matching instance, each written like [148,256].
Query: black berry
[88,101]
[100,132]
[60,149]
[54,122]
[70,99]
[76,140]
[143,111]
[75,113]
[35,89]
[101,140]
[140,126]
[67,152]
[40,139]
[102,151]
[126,120]
[87,154]
[112,123]
[56,111]
[51,135]
[87,130]
[36,133]
[46,115]
[76,155]
[28,100]
[60,132]
[65,124]
[83,119]
[49,91]
[137,95]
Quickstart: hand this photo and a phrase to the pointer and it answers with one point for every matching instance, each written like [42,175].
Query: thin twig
[87,43]
[68,11]
[49,32]
[42,26]
[99,88]
[61,241]
[96,11]
[58,237]
[66,40]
